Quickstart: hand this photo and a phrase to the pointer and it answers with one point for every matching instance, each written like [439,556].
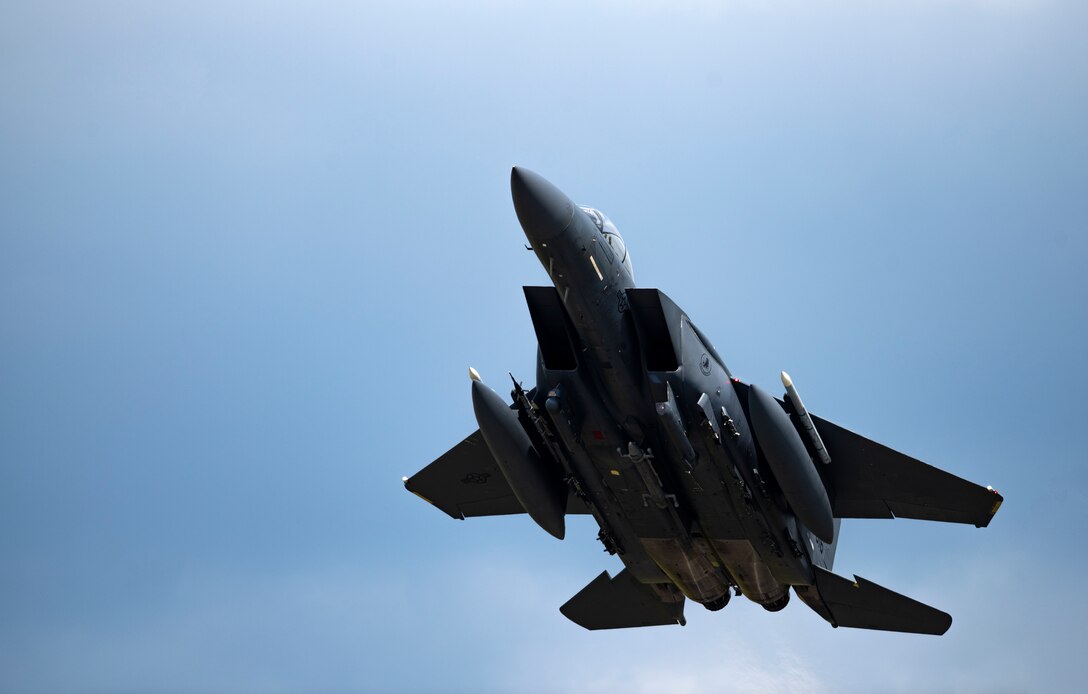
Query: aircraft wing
[466,481]
[870,480]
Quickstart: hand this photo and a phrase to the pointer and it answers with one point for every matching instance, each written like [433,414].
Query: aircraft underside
[702,485]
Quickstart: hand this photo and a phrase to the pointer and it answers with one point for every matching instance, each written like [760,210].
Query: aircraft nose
[543,210]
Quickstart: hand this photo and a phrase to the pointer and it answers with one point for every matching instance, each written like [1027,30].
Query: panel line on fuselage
[593,262]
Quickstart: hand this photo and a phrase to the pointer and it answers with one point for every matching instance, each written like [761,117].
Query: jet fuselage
[696,511]
[703,485]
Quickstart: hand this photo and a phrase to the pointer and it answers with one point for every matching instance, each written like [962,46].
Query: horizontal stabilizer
[621,602]
[865,605]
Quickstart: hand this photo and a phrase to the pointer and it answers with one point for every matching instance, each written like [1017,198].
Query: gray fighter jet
[703,485]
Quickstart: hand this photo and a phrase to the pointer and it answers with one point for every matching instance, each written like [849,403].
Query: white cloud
[724,668]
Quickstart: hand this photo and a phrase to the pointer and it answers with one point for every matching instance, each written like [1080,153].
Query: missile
[791,464]
[540,491]
[806,420]
[674,427]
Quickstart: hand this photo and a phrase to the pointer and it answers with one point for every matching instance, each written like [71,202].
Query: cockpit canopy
[612,237]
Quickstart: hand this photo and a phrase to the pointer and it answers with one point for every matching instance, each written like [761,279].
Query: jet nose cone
[543,210]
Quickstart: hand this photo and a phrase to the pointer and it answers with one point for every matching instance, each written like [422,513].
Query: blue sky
[247,253]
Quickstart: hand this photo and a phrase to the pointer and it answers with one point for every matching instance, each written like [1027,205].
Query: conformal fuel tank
[538,489]
[791,464]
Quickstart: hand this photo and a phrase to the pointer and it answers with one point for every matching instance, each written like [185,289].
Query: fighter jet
[703,485]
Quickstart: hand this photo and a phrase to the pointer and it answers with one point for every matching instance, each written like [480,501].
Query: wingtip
[947,625]
[997,504]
